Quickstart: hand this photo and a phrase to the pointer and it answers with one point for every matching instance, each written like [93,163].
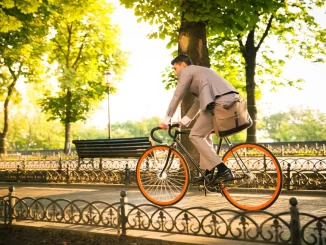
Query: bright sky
[141,93]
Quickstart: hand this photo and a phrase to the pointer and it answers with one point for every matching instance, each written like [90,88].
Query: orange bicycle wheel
[258,183]
[162,187]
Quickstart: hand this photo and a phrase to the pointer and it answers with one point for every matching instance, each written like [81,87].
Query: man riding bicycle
[209,88]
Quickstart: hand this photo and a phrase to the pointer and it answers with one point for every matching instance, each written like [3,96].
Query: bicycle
[163,174]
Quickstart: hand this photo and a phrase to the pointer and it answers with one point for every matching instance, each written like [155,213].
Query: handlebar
[169,131]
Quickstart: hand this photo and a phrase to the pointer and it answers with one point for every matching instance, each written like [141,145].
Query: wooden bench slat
[111,145]
[124,155]
[111,152]
[140,139]
[121,147]
[107,147]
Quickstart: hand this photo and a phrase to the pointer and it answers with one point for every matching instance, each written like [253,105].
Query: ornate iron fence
[298,172]
[255,226]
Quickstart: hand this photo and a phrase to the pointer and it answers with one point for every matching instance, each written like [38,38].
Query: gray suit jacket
[204,83]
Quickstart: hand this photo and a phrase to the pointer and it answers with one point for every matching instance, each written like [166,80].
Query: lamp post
[107,78]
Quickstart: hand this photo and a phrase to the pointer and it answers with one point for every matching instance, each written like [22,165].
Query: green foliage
[22,40]
[35,132]
[23,26]
[227,61]
[30,130]
[29,127]
[239,34]
[298,124]
[75,94]
[84,44]
[229,25]
[13,14]
[283,24]
[169,79]
[221,16]
[83,132]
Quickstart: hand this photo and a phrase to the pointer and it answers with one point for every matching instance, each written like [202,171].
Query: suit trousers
[200,135]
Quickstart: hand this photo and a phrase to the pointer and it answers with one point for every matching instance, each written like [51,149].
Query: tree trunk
[67,148]
[250,57]
[4,133]
[3,144]
[192,41]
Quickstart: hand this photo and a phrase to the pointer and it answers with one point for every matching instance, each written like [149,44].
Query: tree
[246,44]
[22,31]
[237,32]
[298,124]
[83,44]
[30,128]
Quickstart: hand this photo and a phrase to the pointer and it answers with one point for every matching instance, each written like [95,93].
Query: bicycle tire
[264,183]
[172,185]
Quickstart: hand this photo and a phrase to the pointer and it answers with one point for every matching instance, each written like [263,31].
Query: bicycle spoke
[163,188]
[258,185]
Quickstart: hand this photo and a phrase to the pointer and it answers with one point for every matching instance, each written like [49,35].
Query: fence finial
[123,193]
[293,201]
[11,188]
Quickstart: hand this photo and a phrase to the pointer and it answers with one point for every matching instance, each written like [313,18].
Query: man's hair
[182,58]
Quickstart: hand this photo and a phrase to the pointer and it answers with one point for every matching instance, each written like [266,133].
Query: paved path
[312,202]
[309,201]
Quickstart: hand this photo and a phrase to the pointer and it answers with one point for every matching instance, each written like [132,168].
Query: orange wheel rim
[144,192]
[277,189]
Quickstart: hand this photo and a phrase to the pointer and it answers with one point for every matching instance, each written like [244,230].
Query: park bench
[111,148]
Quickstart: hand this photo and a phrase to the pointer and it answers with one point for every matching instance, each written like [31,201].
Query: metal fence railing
[298,172]
[292,227]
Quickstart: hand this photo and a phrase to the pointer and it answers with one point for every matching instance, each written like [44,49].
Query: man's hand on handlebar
[163,126]
[166,127]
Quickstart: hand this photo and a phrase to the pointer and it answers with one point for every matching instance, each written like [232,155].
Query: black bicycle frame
[178,143]
[172,147]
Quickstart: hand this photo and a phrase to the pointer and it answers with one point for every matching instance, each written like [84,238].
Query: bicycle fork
[168,162]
